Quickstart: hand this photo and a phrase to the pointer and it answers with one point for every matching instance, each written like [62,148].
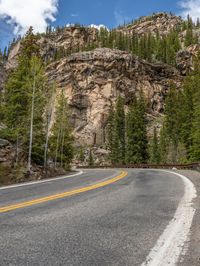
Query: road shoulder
[192,256]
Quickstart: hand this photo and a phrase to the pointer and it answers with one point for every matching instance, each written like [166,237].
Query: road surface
[99,217]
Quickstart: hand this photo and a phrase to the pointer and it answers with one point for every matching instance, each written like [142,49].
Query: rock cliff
[93,80]
[67,39]
[186,57]
[158,22]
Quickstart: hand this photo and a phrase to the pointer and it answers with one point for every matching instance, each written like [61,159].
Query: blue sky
[110,13]
[17,15]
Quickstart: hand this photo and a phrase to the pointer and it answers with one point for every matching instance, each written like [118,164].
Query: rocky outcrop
[68,38]
[12,57]
[7,153]
[65,39]
[185,58]
[93,80]
[159,22]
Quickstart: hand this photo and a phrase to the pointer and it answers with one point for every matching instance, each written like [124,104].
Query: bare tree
[48,126]
[31,122]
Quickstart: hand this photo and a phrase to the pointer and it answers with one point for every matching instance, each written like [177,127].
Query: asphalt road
[116,224]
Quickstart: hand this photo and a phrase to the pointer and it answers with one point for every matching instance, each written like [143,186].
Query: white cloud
[98,27]
[191,7]
[68,25]
[25,13]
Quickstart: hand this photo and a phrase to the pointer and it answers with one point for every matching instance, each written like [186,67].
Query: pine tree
[81,156]
[198,23]
[173,119]
[186,112]
[195,133]
[30,46]
[163,144]
[111,136]
[194,88]
[172,47]
[137,143]
[142,128]
[189,37]
[134,44]
[155,151]
[132,145]
[90,160]
[5,53]
[120,130]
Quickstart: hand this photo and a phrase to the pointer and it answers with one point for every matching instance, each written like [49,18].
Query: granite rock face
[68,38]
[158,22]
[92,81]
[185,58]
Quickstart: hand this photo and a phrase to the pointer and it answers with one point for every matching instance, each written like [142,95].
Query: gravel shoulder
[192,256]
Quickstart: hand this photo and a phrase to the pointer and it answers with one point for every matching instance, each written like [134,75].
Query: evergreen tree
[189,38]
[163,144]
[195,133]
[81,155]
[137,143]
[120,130]
[132,145]
[5,53]
[198,23]
[111,136]
[1,105]
[142,126]
[172,47]
[155,151]
[29,46]
[116,133]
[90,160]
[187,111]
[173,119]
[194,88]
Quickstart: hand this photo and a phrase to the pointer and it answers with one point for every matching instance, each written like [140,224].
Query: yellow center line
[4,209]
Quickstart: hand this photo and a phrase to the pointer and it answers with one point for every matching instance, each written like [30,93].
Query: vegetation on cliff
[150,44]
[182,120]
[127,134]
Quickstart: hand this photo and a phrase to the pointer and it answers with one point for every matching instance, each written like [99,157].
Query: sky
[17,15]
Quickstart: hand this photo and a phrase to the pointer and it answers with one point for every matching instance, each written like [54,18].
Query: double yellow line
[122,175]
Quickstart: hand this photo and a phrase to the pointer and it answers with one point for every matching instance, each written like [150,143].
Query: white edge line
[41,181]
[170,244]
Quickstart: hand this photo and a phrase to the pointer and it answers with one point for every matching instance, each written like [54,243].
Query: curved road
[115,223]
